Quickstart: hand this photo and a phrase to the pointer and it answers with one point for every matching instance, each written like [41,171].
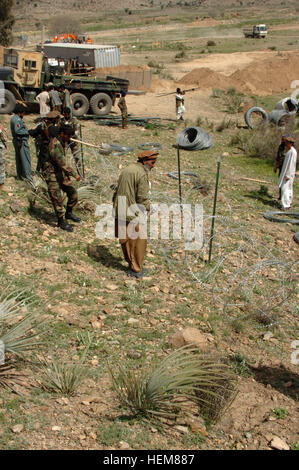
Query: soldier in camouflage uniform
[41,135]
[57,174]
[124,110]
[2,155]
[74,123]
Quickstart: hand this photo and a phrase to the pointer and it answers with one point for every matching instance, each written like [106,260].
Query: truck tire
[80,104]
[101,104]
[10,103]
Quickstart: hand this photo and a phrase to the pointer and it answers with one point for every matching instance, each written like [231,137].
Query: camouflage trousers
[54,180]
[2,165]
[124,115]
[77,157]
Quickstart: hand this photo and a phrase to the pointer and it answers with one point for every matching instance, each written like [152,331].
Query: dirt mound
[272,75]
[120,68]
[206,78]
[261,77]
[160,85]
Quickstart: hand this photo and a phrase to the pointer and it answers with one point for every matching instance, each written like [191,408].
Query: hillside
[80,284]
[26,9]
[240,307]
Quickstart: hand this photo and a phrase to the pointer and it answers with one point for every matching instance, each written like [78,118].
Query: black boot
[71,216]
[64,225]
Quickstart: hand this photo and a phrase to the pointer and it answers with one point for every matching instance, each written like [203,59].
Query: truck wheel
[10,103]
[80,104]
[101,104]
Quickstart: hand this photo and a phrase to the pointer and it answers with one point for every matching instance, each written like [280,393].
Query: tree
[6,22]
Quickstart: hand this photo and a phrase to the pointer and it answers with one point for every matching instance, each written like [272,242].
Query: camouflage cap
[53,115]
[148,155]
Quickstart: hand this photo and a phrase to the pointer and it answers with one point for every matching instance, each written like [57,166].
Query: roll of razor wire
[287,104]
[256,110]
[279,117]
[194,138]
[174,174]
[274,216]
[150,146]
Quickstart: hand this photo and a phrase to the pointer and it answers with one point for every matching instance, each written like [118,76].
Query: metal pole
[179,174]
[82,153]
[215,203]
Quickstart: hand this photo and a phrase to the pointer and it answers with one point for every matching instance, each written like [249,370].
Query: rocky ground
[81,287]
[241,309]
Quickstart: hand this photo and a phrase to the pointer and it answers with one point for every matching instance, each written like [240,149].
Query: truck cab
[21,74]
[260,30]
[256,31]
[24,73]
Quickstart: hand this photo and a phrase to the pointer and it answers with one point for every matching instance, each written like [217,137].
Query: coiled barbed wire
[238,277]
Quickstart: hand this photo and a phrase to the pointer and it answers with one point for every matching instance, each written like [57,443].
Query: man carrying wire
[179,104]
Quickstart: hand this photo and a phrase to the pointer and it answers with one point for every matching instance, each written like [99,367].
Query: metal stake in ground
[215,203]
[179,175]
[82,153]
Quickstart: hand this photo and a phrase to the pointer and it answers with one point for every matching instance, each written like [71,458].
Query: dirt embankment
[120,69]
[261,77]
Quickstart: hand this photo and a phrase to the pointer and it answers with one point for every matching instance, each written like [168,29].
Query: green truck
[23,74]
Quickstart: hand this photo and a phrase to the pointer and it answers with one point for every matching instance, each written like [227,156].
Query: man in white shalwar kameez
[179,104]
[44,103]
[287,175]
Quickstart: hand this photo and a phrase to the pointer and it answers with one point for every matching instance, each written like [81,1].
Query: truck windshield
[11,60]
[262,28]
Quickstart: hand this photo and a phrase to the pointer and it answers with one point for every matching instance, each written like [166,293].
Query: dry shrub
[261,143]
[226,124]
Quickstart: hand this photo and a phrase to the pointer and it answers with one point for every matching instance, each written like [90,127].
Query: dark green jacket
[133,184]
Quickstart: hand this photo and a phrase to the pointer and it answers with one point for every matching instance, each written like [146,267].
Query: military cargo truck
[24,75]
[256,31]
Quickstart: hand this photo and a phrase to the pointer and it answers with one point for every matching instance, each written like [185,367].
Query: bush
[217,93]
[225,124]
[211,43]
[180,55]
[261,143]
